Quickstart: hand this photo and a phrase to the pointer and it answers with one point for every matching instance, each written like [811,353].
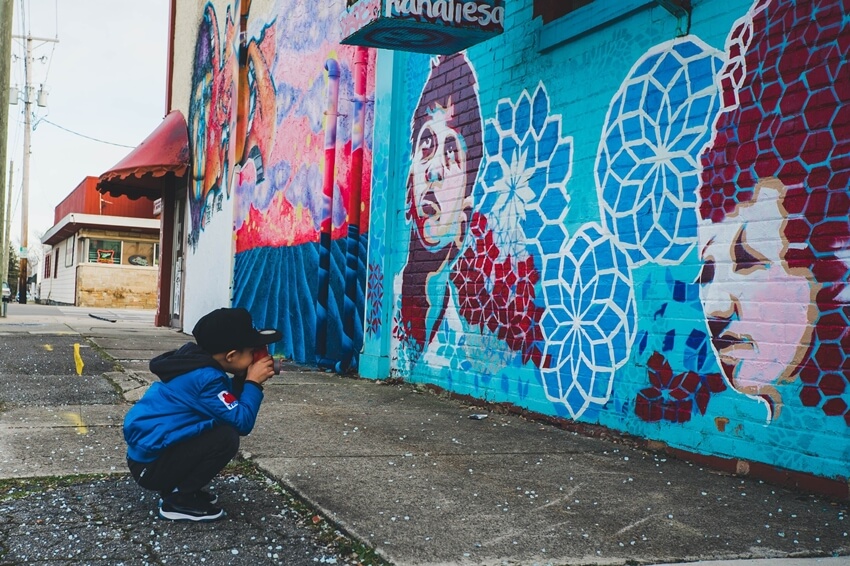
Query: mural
[700,297]
[260,126]
[663,252]
[775,235]
[647,175]
[472,298]
[212,119]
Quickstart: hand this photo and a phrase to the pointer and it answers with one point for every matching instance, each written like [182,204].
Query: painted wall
[277,222]
[643,226]
[207,273]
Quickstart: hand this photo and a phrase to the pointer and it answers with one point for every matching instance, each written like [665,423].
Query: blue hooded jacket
[193,395]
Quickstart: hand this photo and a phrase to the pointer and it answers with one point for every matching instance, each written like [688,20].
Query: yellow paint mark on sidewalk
[77,421]
[48,347]
[78,359]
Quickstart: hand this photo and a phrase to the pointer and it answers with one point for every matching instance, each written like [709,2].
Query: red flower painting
[672,397]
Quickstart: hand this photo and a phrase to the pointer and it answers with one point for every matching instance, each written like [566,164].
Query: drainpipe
[349,358]
[331,115]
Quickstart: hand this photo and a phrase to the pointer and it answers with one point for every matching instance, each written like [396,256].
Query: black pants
[188,465]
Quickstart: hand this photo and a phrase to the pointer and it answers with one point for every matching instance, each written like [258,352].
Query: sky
[105,80]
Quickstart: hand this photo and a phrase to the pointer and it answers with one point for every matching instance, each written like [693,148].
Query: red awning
[154,165]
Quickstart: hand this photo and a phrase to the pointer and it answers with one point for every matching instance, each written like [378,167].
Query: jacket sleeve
[217,400]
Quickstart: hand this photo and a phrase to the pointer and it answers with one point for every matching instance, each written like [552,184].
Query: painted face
[759,312]
[438,181]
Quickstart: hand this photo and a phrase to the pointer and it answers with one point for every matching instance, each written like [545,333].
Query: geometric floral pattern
[647,166]
[589,320]
[525,179]
[587,310]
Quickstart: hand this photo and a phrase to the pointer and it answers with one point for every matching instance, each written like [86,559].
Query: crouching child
[186,428]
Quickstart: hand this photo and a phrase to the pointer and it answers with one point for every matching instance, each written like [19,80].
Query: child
[186,428]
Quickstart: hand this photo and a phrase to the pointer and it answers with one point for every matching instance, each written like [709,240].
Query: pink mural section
[279,186]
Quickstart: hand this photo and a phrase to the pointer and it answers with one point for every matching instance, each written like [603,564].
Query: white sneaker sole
[178,516]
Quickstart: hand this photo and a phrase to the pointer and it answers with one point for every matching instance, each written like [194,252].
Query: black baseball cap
[225,329]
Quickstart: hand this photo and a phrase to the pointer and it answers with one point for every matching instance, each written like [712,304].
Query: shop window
[104,251]
[142,254]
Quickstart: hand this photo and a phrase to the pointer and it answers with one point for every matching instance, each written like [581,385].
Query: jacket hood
[187,358]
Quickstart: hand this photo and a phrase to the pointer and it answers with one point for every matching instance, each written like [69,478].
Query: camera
[262,352]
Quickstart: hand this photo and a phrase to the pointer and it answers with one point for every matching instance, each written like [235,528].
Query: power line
[83,135]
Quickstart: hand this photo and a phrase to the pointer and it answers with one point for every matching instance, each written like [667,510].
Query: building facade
[103,252]
[627,214]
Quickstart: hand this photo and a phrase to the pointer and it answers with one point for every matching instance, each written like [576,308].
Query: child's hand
[260,371]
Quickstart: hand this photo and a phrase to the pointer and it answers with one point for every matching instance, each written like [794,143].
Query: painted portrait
[774,232]
[446,150]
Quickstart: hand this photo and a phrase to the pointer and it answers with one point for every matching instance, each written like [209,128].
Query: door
[177,258]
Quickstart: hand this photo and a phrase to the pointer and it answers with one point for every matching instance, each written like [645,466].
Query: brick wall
[113,286]
[655,238]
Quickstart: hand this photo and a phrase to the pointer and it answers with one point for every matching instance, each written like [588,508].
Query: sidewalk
[411,474]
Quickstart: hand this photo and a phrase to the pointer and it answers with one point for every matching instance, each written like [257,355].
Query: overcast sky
[106,80]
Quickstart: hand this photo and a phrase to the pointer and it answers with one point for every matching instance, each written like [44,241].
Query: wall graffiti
[212,119]
[774,203]
[472,296]
[258,122]
[280,210]
[700,296]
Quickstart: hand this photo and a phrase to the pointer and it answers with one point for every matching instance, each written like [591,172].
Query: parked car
[7,292]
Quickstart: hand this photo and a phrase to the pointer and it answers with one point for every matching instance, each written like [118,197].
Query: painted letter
[499,15]
[393,6]
[484,19]
[469,9]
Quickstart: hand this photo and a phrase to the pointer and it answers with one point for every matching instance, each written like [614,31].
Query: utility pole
[7,226]
[25,196]
[6,10]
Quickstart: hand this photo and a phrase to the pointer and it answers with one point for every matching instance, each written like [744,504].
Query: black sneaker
[188,507]
[204,495]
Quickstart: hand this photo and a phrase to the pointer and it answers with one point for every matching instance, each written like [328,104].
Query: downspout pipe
[331,117]
[349,358]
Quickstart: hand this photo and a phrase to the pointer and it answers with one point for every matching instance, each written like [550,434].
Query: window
[553,9]
[140,254]
[69,251]
[47,268]
[104,251]
[56,263]
[576,18]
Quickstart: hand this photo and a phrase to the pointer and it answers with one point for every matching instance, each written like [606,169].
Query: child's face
[237,361]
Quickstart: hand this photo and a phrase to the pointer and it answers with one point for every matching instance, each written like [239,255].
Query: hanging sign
[423,26]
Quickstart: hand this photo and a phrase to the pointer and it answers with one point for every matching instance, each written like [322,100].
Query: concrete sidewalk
[411,474]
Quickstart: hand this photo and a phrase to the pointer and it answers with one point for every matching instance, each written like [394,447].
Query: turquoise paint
[581,78]
[585,20]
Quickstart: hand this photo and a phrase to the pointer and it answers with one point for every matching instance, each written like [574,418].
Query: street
[345,470]
[65,496]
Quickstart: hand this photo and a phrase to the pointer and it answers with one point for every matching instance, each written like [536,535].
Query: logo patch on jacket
[229,399]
